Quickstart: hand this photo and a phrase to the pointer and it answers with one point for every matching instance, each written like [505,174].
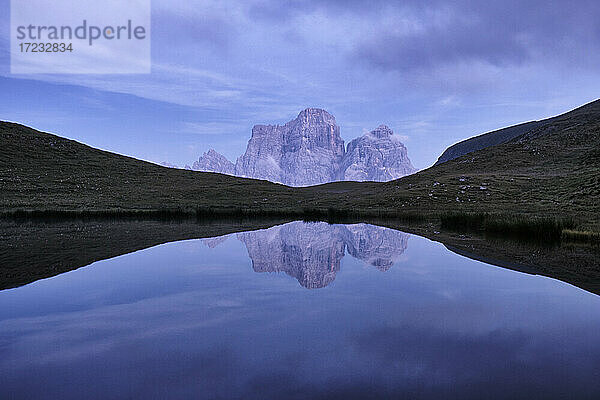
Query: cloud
[270,56]
[501,34]
[213,127]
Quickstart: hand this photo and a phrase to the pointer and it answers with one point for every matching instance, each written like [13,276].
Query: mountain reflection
[311,252]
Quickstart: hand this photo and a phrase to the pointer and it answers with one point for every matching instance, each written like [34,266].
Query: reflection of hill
[32,251]
[311,252]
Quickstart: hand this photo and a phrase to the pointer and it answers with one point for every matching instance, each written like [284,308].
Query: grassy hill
[44,171]
[510,133]
[550,171]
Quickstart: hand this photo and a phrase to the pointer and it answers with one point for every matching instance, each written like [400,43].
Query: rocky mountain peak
[378,160]
[212,161]
[212,153]
[304,151]
[315,116]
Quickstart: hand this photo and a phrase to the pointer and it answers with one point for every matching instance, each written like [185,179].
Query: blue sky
[435,73]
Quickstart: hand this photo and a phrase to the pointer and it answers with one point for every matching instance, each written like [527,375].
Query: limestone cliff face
[263,155]
[212,161]
[377,156]
[305,151]
[309,151]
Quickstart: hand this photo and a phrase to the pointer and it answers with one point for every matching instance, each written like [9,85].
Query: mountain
[552,171]
[305,151]
[378,156]
[309,151]
[212,161]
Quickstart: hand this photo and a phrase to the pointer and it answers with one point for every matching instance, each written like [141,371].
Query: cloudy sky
[436,72]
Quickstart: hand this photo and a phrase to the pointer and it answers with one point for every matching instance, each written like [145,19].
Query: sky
[436,72]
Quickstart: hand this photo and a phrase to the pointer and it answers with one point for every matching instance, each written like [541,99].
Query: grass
[530,229]
[201,214]
[533,229]
[570,235]
[21,215]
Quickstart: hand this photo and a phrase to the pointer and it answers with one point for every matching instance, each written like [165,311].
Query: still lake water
[300,310]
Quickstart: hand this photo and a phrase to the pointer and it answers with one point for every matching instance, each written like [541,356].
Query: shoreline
[526,227]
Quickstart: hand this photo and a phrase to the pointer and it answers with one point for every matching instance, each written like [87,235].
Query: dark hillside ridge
[42,171]
[486,140]
[506,135]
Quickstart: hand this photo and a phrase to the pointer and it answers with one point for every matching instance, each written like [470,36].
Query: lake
[299,310]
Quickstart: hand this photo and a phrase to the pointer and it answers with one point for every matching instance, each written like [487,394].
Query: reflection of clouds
[97,330]
[187,345]
[495,364]
[131,346]
[311,252]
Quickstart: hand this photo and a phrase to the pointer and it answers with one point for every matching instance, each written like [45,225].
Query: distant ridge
[486,140]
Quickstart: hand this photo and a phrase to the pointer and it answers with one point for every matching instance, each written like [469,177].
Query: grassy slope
[553,171]
[42,171]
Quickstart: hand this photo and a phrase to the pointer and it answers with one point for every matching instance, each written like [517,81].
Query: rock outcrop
[212,161]
[377,156]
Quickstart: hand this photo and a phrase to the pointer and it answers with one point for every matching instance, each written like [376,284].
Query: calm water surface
[299,311]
